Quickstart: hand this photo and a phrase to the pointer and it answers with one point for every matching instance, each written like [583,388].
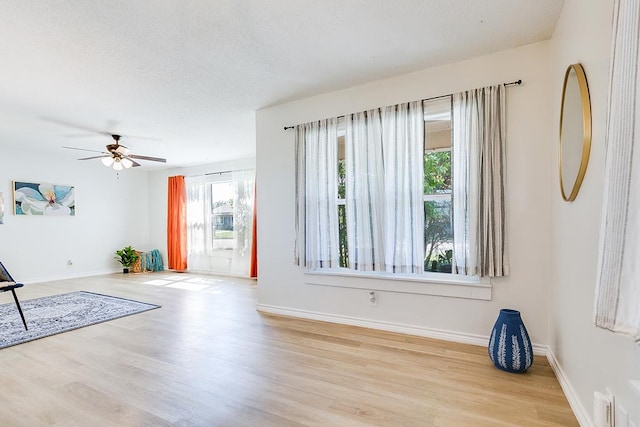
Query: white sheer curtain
[199,228]
[364,193]
[317,194]
[479,243]
[618,282]
[403,140]
[384,176]
[243,186]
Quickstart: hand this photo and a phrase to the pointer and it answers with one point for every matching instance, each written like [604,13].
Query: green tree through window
[438,230]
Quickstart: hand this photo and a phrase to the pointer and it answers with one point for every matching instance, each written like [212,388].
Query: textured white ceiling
[191,73]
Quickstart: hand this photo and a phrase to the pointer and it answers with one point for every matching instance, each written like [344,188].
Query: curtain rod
[513,83]
[220,173]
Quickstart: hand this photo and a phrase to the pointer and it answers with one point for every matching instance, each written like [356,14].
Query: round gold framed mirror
[575,132]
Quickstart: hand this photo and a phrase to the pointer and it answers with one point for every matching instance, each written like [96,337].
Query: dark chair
[8,284]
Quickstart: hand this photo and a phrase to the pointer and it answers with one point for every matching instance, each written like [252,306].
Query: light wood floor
[207,358]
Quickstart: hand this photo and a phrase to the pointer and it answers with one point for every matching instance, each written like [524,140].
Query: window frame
[426,276]
[426,283]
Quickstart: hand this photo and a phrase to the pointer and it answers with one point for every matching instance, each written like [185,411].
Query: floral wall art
[32,198]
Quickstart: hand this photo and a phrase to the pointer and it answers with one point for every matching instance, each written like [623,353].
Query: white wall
[111,213]
[158,192]
[282,285]
[592,359]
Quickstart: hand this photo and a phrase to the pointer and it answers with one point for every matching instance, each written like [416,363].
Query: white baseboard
[69,276]
[440,334]
[583,416]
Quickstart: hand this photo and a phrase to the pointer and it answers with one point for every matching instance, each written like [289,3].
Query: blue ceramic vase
[509,346]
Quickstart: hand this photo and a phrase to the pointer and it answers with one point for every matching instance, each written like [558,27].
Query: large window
[438,230]
[219,222]
[409,188]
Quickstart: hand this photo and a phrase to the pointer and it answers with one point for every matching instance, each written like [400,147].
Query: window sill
[447,285]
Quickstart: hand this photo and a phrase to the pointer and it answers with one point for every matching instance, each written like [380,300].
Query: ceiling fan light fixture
[122,150]
[107,161]
[126,163]
[117,165]
[117,156]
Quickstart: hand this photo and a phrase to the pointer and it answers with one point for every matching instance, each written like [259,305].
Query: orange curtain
[177,224]
[253,272]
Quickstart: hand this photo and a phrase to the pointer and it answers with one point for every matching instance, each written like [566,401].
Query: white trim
[426,277]
[69,276]
[449,285]
[583,416]
[440,334]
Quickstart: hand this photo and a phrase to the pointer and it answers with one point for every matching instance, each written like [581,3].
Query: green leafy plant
[127,256]
[444,261]
[446,257]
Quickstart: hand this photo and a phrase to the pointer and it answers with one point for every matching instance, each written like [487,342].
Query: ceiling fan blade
[135,164]
[148,138]
[84,149]
[95,157]
[83,135]
[111,124]
[153,159]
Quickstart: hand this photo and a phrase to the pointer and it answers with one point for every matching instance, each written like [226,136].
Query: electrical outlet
[69,263]
[373,299]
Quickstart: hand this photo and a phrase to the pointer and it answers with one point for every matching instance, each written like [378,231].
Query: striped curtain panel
[479,243]
[618,286]
[364,193]
[316,243]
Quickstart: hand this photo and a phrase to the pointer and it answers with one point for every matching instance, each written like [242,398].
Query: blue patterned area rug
[61,313]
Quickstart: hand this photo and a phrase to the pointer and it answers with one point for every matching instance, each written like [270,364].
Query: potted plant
[127,257]
[445,261]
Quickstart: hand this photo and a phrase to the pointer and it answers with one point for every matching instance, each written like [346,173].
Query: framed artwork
[43,198]
[1,209]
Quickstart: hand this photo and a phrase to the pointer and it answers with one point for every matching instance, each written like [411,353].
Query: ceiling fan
[118,156]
